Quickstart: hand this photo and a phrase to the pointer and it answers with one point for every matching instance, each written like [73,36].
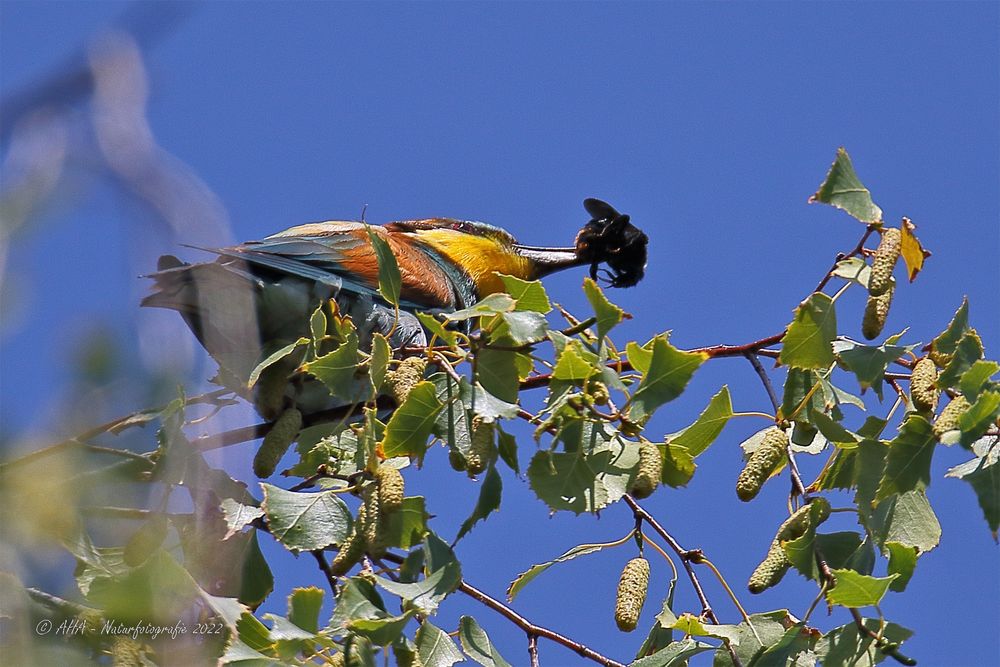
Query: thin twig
[687,557]
[325,569]
[536,630]
[533,649]
[765,380]
[113,426]
[842,256]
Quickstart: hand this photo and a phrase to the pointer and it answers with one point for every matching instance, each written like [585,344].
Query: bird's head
[482,250]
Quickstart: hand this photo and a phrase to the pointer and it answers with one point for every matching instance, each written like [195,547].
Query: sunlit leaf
[491,305]
[304,606]
[855,269]
[902,561]
[437,328]
[306,521]
[809,338]
[669,372]
[608,314]
[846,645]
[908,465]
[907,519]
[477,644]
[910,249]
[411,423]
[274,358]
[858,590]
[527,576]
[530,294]
[435,647]
[488,502]
[983,475]
[340,371]
[390,282]
[698,436]
[844,190]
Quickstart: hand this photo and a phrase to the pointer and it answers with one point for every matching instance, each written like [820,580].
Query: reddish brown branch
[535,630]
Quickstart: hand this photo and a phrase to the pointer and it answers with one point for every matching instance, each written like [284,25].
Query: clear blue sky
[709,123]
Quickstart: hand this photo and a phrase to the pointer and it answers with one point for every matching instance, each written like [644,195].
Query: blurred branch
[73,81]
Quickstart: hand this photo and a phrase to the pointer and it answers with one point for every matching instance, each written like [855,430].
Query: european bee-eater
[257,297]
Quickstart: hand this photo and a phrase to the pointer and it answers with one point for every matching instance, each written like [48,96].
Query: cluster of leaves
[205,564]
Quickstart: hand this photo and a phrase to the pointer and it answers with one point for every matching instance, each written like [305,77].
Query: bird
[257,297]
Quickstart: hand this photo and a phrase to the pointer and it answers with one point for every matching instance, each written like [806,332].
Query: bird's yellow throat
[481,257]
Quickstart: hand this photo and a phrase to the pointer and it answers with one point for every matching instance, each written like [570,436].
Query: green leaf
[796,641]
[306,521]
[238,515]
[407,526]
[427,594]
[574,364]
[274,358]
[411,423]
[381,631]
[496,370]
[437,328]
[507,446]
[798,384]
[973,380]
[593,474]
[698,436]
[668,374]
[357,599]
[868,470]
[523,327]
[486,405]
[493,304]
[854,269]
[768,630]
[854,590]
[435,647]
[342,373]
[847,646]
[979,417]
[530,294]
[477,644]
[967,352]
[801,551]
[902,561]
[842,189]
[674,655]
[640,356]
[303,608]
[907,519]
[489,501]
[379,361]
[678,465]
[155,592]
[868,362]
[528,575]
[983,474]
[947,340]
[833,431]
[608,314]
[908,465]
[390,283]
[808,342]
[839,550]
